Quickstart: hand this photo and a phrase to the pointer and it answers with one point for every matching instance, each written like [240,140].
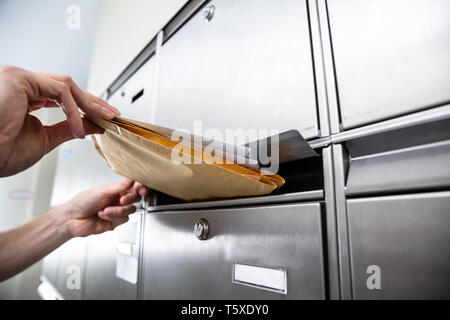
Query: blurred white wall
[125,27]
[34,35]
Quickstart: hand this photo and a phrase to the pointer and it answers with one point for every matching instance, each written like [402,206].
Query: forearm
[23,246]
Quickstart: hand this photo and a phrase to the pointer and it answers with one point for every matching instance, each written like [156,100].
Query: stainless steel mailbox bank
[366,83]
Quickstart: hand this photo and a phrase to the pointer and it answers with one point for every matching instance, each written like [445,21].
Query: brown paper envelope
[146,157]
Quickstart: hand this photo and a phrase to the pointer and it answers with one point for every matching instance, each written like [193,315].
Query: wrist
[61,221]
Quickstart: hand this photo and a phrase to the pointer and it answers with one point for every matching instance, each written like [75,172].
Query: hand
[23,138]
[100,209]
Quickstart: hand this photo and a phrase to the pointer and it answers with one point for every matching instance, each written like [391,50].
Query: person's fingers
[61,132]
[138,188]
[87,102]
[142,191]
[117,187]
[92,128]
[106,225]
[117,212]
[134,194]
[103,226]
[60,92]
[119,221]
[102,102]
[129,198]
[43,103]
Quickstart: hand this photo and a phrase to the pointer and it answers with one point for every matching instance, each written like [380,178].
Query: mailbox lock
[208,12]
[201,229]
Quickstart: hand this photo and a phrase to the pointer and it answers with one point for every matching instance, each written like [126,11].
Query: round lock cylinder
[208,12]
[201,229]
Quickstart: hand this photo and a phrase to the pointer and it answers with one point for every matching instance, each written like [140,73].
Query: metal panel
[141,81]
[408,238]
[328,66]
[419,167]
[74,170]
[249,67]
[102,173]
[416,119]
[79,168]
[391,57]
[101,281]
[341,221]
[179,266]
[50,267]
[331,225]
[70,272]
[319,67]
[289,197]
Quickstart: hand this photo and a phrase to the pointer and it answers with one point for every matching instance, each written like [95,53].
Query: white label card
[260,277]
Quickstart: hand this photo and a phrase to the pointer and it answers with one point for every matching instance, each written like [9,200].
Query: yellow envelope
[138,151]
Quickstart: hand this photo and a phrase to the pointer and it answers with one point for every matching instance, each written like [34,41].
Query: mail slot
[412,158]
[304,181]
[134,97]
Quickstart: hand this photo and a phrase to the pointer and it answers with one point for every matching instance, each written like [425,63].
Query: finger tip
[107,113]
[79,135]
[79,132]
[125,184]
[143,191]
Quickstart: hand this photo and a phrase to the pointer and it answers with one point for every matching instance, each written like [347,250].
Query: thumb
[61,132]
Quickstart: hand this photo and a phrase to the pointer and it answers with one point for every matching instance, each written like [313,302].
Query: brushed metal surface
[182,16]
[296,196]
[408,237]
[328,65]
[319,67]
[50,267]
[420,167]
[179,266]
[130,70]
[249,67]
[341,222]
[79,168]
[331,225]
[415,119]
[142,79]
[74,170]
[391,57]
[71,260]
[101,281]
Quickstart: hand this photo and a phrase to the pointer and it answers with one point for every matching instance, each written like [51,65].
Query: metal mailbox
[240,64]
[407,237]
[275,241]
[391,57]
